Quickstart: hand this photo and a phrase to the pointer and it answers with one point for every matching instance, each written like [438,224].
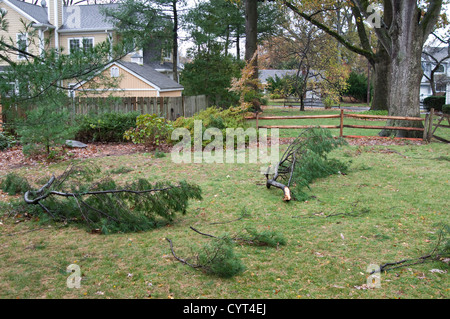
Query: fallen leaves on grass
[14,157]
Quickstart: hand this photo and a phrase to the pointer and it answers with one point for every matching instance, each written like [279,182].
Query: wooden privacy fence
[427,130]
[169,107]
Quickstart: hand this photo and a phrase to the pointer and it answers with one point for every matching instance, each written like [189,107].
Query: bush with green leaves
[6,141]
[151,130]
[214,117]
[434,102]
[446,109]
[357,86]
[210,73]
[104,127]
[14,184]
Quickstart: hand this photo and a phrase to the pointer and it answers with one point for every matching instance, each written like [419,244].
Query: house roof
[265,74]
[36,12]
[163,82]
[438,53]
[91,16]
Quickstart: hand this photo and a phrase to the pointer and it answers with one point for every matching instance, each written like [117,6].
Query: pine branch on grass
[104,206]
[305,160]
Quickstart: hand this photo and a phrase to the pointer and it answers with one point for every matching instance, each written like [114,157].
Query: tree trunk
[251,31]
[406,67]
[175,41]
[381,77]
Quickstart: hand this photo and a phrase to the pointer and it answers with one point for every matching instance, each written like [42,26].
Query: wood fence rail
[427,129]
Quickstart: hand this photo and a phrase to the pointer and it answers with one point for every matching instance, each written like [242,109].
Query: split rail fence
[428,131]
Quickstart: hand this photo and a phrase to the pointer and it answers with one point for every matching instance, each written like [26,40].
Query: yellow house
[72,27]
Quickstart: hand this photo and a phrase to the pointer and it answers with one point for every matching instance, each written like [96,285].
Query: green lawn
[389,207]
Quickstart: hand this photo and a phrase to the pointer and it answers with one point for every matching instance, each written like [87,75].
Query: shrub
[6,141]
[434,102]
[14,184]
[151,130]
[214,117]
[357,86]
[446,108]
[105,127]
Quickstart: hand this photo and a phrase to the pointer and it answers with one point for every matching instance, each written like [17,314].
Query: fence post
[425,126]
[341,134]
[257,120]
[430,126]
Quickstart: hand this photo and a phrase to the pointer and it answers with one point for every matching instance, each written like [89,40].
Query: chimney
[55,12]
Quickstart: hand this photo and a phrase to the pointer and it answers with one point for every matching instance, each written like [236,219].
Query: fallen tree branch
[104,205]
[180,259]
[419,260]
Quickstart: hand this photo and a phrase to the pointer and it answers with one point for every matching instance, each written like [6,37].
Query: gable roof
[265,74]
[151,76]
[438,53]
[91,16]
[37,13]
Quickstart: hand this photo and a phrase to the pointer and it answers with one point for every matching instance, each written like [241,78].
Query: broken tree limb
[180,259]
[286,190]
[307,151]
[74,196]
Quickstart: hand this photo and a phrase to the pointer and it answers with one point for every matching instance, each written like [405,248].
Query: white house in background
[442,75]
[264,75]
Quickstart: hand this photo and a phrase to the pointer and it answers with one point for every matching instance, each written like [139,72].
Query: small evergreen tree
[47,125]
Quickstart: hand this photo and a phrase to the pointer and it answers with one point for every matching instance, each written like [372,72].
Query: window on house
[72,91]
[22,45]
[115,72]
[74,44]
[441,87]
[88,43]
[12,89]
[440,69]
[80,44]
